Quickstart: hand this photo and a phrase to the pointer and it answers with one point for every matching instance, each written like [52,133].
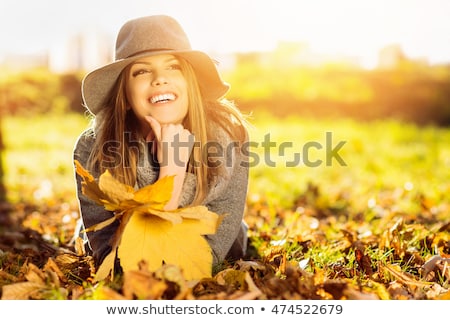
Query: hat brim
[97,84]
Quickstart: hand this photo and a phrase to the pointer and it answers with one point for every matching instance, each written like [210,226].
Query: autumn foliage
[147,233]
[322,255]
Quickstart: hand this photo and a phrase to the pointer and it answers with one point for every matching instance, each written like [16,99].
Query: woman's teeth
[162,98]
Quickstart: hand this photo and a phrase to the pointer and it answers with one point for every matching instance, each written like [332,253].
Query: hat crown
[148,34]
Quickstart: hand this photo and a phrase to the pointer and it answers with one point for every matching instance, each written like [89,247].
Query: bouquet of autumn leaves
[146,231]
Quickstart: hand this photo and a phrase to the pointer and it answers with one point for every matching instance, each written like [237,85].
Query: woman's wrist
[179,175]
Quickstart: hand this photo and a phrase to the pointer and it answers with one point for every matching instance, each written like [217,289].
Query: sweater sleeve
[92,213]
[228,198]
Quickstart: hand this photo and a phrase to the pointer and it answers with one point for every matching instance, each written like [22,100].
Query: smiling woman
[157,87]
[156,108]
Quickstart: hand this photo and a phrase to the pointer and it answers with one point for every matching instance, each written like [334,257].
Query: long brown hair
[116,131]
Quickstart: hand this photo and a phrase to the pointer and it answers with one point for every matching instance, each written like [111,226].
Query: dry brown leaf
[171,273]
[444,296]
[398,292]
[89,186]
[251,286]
[402,277]
[107,293]
[363,260]
[34,274]
[432,262]
[103,224]
[31,289]
[54,268]
[8,277]
[245,265]
[22,290]
[79,247]
[232,278]
[106,269]
[140,284]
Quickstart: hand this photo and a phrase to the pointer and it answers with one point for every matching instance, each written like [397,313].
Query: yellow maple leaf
[155,195]
[158,241]
[149,233]
[119,194]
[89,186]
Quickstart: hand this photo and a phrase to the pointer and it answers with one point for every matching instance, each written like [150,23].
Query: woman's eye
[140,71]
[175,67]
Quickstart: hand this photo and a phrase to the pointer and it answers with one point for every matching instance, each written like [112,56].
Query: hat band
[147,51]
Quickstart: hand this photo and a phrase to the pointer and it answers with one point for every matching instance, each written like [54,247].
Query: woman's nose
[159,78]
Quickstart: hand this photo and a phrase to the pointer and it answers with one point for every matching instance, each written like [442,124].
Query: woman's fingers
[174,143]
[177,143]
[156,129]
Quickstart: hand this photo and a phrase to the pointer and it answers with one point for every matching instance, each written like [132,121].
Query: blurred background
[375,73]
[364,59]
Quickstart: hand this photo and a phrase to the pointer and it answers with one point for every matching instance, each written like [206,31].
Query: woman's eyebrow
[141,62]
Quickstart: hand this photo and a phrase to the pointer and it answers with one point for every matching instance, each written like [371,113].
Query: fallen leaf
[89,186]
[21,290]
[157,194]
[232,278]
[404,278]
[363,260]
[107,293]
[158,241]
[117,192]
[149,233]
[106,268]
[431,263]
[142,284]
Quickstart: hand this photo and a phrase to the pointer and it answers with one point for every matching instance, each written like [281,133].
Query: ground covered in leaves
[375,228]
[316,252]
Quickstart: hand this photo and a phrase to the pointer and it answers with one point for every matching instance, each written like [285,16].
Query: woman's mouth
[162,98]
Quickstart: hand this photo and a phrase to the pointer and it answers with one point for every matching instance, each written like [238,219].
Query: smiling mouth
[161,98]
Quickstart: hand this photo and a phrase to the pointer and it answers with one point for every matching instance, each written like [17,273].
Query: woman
[160,110]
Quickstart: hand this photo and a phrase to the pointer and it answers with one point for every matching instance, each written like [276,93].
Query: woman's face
[157,87]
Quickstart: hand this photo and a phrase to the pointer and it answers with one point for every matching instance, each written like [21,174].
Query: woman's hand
[174,145]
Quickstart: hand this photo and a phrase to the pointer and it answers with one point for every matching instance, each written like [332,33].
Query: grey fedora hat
[146,36]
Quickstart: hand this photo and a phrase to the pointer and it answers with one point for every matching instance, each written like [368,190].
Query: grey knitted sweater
[227,196]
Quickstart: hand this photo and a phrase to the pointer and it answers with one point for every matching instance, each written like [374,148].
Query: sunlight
[353,28]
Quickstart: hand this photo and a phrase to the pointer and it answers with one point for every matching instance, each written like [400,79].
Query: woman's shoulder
[85,141]
[228,130]
[227,121]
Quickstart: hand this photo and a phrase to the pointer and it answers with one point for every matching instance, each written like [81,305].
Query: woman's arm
[92,213]
[174,145]
[228,198]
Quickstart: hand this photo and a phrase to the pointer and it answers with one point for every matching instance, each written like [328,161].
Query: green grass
[382,155]
[38,155]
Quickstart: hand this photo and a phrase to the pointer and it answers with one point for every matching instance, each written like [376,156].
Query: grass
[38,155]
[382,155]
[391,190]
[379,155]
